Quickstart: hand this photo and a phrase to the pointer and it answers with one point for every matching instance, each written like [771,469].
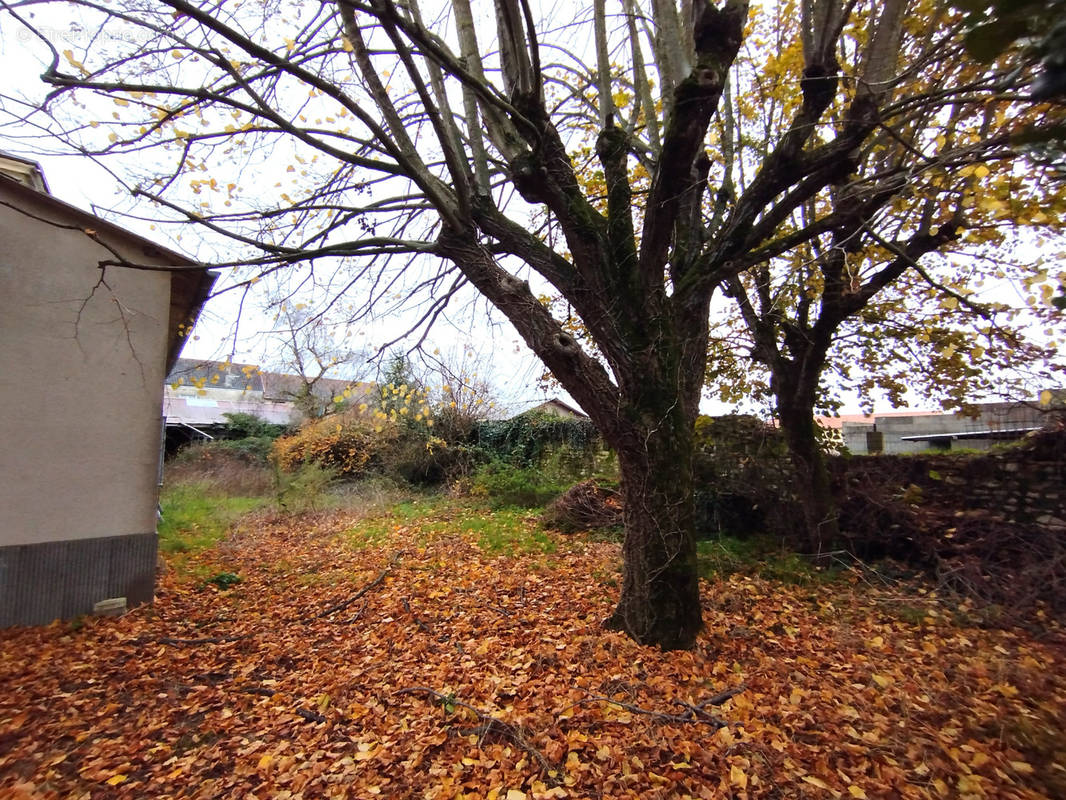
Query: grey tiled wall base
[58,580]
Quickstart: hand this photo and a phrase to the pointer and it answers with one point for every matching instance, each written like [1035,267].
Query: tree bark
[814,490]
[659,604]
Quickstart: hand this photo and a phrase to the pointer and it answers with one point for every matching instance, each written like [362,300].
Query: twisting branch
[490,728]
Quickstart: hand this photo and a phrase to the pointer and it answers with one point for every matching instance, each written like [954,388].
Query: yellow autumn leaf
[74,62]
[115,780]
[738,777]
[856,791]
[882,681]
[265,761]
[813,781]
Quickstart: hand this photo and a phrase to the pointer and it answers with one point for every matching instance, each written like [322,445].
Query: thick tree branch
[718,35]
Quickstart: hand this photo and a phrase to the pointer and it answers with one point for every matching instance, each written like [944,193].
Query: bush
[420,459]
[306,488]
[505,485]
[351,444]
[253,450]
[248,426]
[526,440]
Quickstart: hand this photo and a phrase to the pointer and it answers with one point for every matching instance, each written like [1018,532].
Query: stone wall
[990,526]
[1023,485]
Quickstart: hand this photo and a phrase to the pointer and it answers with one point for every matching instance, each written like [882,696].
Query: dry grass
[229,472]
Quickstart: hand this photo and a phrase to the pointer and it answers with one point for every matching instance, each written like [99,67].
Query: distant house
[198,394]
[560,409]
[917,431]
[83,353]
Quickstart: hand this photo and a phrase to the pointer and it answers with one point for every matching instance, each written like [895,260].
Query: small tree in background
[302,345]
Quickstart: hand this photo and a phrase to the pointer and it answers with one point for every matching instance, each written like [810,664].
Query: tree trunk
[659,604]
[811,479]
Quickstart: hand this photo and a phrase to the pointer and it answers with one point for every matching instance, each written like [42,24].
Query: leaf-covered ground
[448,655]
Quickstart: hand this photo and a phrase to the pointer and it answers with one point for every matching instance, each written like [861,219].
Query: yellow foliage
[348,443]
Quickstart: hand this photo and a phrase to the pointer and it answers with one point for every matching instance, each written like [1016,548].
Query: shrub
[248,426]
[351,444]
[421,459]
[254,449]
[742,476]
[505,485]
[306,488]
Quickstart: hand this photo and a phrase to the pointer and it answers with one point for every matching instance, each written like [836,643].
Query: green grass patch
[509,532]
[505,531]
[196,517]
[368,533]
[762,556]
[376,528]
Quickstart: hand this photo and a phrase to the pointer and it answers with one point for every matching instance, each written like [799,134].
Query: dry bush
[903,508]
[228,471]
[586,506]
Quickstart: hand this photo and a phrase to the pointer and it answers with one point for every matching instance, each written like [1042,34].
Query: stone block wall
[1024,485]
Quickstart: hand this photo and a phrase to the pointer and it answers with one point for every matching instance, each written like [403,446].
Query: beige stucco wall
[81,375]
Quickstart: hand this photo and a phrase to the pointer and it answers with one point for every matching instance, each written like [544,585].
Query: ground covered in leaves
[441,652]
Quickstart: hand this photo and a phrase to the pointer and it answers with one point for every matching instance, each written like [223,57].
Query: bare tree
[303,346]
[424,151]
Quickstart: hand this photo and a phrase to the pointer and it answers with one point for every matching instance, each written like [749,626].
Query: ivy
[240,425]
[525,440]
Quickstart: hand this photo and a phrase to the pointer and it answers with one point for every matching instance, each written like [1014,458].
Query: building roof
[191,282]
[557,406]
[990,433]
[230,388]
[26,172]
[278,386]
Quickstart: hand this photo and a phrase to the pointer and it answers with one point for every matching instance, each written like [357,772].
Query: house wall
[81,380]
[992,418]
